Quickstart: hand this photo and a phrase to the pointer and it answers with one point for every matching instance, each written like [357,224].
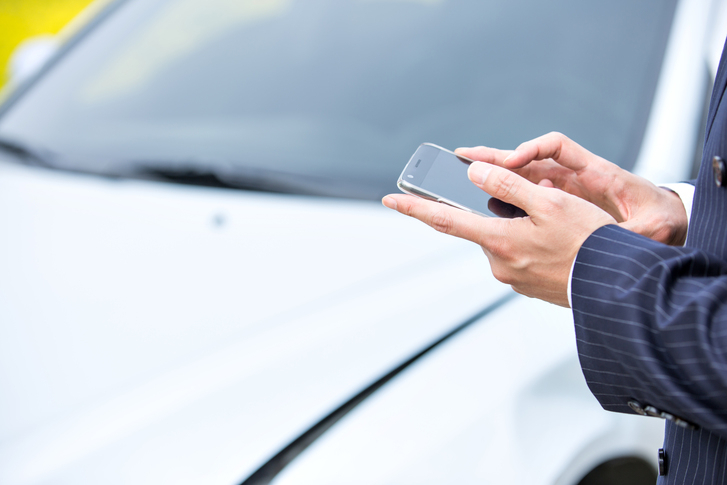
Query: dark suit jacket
[651,321]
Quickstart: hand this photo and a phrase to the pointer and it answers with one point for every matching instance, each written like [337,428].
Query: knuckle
[501,263]
[505,186]
[501,274]
[508,265]
[558,203]
[506,274]
[442,222]
[406,207]
[551,206]
[499,248]
[557,136]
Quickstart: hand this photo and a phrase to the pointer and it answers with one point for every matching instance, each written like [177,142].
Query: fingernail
[478,172]
[389,202]
[509,157]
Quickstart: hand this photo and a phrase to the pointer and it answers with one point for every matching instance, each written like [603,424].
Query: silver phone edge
[410,189]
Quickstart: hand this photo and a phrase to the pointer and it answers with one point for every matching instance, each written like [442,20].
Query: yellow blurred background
[20,19]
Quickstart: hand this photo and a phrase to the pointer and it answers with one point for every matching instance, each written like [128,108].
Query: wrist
[680,203]
[676,223]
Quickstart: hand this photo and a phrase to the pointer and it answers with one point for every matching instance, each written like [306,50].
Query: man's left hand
[533,254]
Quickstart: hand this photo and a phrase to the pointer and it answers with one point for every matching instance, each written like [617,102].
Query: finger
[505,185]
[546,183]
[553,145]
[503,209]
[444,218]
[544,169]
[548,171]
[484,154]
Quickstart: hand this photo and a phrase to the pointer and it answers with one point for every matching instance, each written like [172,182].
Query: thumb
[505,185]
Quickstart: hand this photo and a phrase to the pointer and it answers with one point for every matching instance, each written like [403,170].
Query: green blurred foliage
[20,19]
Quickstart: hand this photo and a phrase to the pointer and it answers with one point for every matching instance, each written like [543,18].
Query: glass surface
[341,92]
[447,178]
[443,175]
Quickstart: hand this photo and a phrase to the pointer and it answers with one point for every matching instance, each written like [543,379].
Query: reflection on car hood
[157,333]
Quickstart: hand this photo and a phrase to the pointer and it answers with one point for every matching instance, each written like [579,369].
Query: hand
[635,203]
[533,254]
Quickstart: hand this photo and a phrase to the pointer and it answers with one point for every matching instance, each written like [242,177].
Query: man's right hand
[555,160]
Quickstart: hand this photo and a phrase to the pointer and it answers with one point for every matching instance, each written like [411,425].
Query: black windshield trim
[29,155]
[234,176]
[268,471]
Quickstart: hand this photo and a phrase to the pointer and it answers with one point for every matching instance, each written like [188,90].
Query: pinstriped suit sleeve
[651,325]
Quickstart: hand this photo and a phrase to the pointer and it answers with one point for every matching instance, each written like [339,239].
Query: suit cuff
[684,190]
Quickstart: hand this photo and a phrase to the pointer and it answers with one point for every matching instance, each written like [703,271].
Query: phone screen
[433,172]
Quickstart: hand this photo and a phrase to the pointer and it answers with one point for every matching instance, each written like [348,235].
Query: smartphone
[438,174]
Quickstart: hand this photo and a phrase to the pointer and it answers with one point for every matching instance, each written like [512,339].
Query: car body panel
[505,402]
[342,292]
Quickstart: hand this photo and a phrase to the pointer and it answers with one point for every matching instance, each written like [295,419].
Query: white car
[198,283]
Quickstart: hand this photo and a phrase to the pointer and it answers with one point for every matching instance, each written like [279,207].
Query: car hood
[154,332]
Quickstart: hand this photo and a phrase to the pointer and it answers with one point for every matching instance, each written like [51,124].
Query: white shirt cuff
[570,279]
[686,194]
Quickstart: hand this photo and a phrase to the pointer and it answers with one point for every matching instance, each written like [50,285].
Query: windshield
[343,91]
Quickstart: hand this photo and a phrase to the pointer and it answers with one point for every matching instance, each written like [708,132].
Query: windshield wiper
[28,154]
[237,177]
